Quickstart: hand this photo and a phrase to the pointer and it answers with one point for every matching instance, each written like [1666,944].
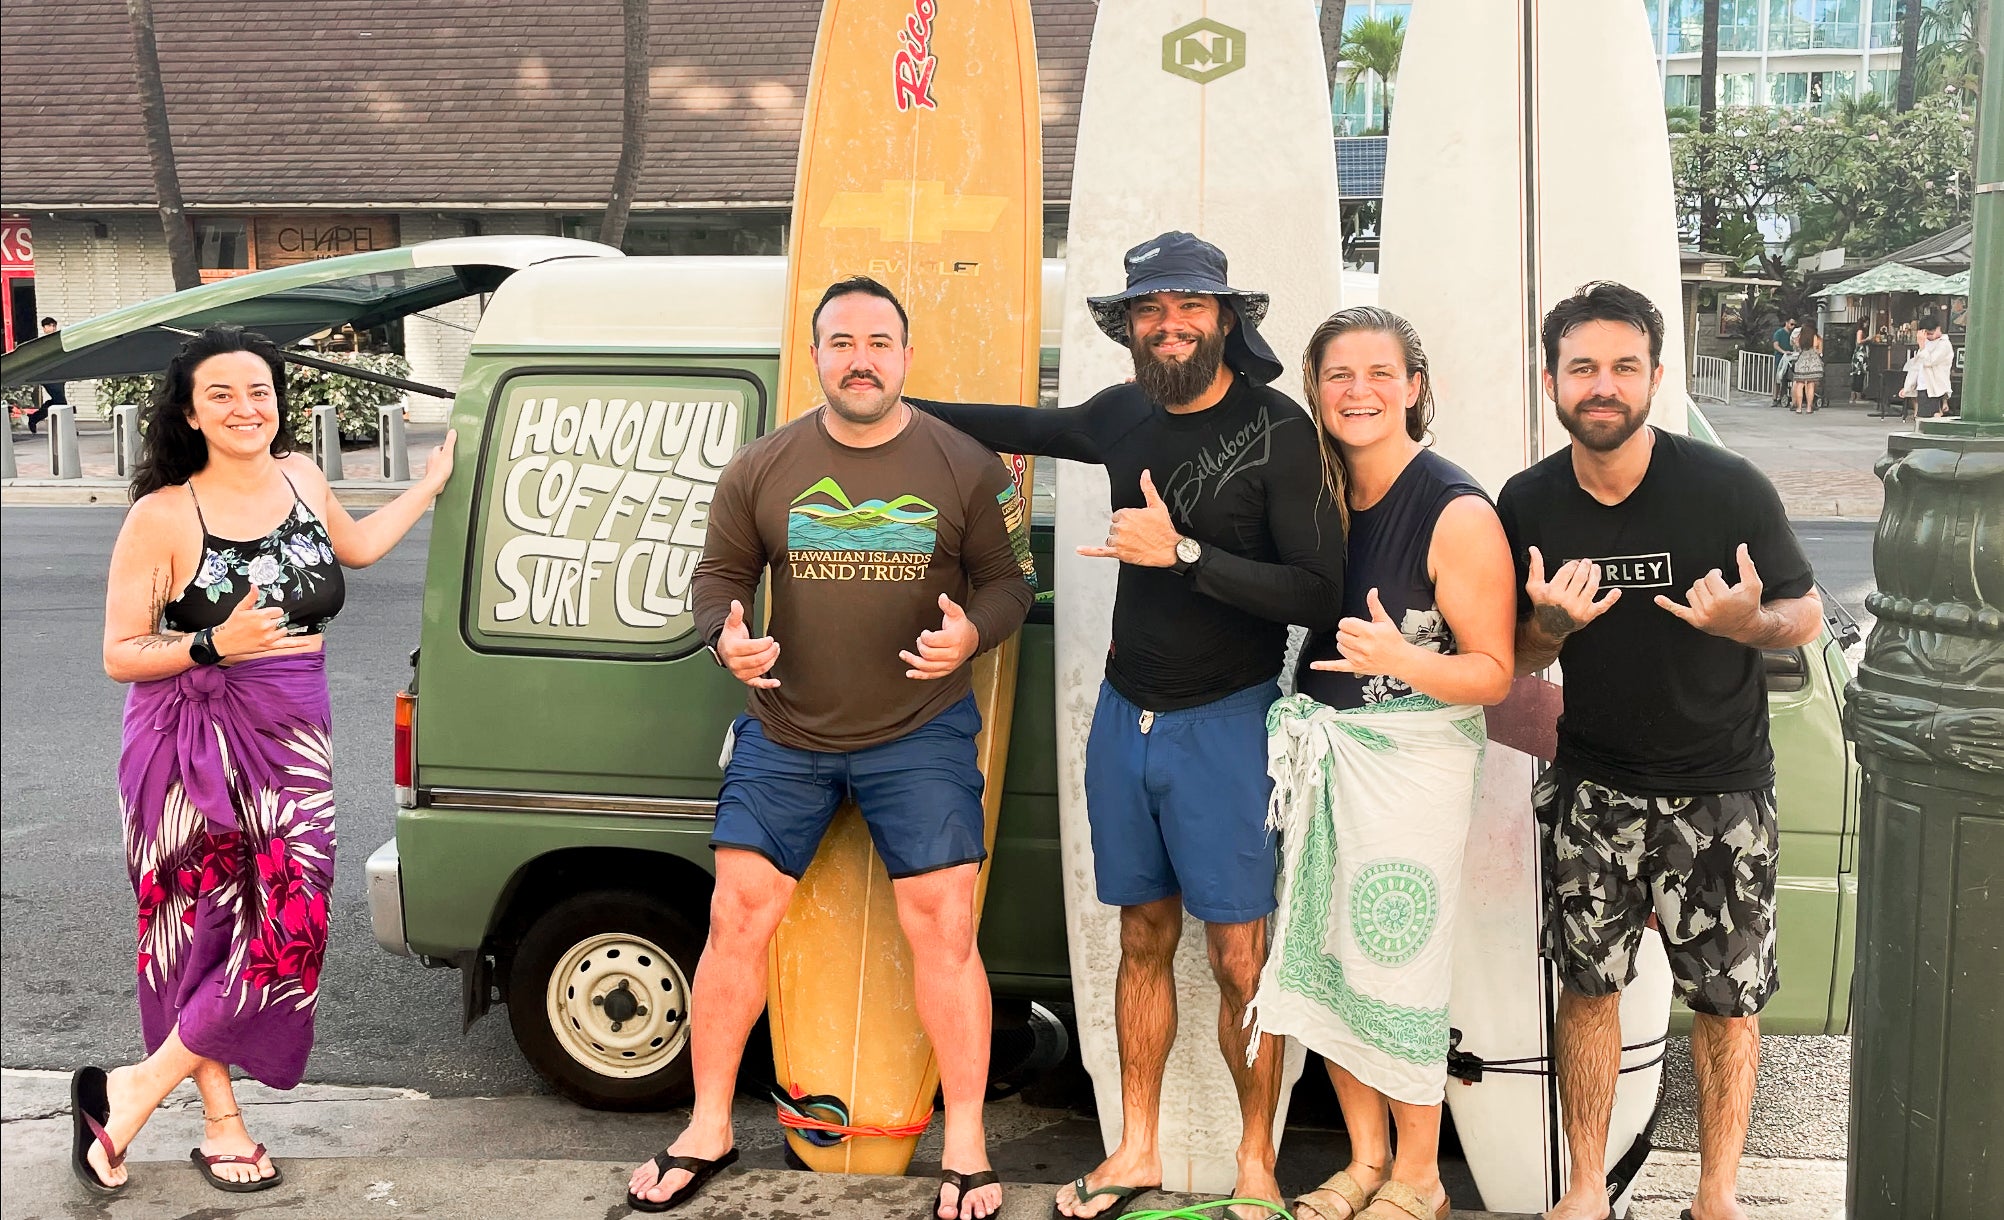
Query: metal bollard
[125,438]
[64,461]
[327,443]
[395,453]
[7,468]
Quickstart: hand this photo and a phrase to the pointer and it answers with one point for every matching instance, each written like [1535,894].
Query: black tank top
[1388,545]
[293,566]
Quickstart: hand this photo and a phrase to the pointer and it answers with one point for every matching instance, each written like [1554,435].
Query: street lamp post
[1927,717]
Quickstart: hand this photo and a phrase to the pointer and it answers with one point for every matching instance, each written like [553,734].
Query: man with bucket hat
[1227,531]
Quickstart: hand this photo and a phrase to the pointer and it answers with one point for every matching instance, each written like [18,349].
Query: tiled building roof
[373,103]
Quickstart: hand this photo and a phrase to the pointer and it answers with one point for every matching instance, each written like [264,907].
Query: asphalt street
[66,906]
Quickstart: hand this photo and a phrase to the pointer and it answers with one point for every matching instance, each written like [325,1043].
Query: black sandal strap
[971,1181]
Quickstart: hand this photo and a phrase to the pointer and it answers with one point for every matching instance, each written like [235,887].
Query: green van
[556,749]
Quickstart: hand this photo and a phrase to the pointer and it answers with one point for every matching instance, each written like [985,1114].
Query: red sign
[17,245]
[915,63]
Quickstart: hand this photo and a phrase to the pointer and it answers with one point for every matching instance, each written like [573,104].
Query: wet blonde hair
[1419,416]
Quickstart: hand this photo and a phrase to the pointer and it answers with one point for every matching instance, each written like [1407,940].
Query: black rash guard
[1244,478]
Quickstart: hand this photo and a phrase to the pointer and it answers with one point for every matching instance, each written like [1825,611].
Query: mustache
[871,378]
[1613,404]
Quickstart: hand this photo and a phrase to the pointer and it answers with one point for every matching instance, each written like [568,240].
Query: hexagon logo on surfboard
[1203,51]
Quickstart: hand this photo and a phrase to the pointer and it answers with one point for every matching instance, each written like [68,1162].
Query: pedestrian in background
[215,617]
[1934,370]
[1808,369]
[52,391]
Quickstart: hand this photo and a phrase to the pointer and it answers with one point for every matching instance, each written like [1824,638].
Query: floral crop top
[293,566]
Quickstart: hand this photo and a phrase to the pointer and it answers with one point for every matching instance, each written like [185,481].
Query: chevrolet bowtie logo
[913,211]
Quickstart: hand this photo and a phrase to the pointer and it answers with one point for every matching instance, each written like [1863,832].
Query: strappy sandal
[90,1110]
[1123,1198]
[1341,1188]
[964,1182]
[207,1164]
[699,1170]
[1403,1203]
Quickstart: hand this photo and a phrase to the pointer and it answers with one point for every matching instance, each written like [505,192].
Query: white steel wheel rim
[617,978]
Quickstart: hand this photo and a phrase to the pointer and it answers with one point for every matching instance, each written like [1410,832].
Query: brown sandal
[1403,1203]
[1339,1189]
[207,1164]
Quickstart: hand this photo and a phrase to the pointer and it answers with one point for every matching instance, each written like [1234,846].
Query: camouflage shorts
[1705,865]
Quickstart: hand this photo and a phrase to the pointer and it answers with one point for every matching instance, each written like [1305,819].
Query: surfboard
[1528,155]
[1210,116]
[921,166]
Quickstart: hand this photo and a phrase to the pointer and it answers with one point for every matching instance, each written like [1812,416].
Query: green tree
[174,226]
[1372,47]
[1330,26]
[632,124]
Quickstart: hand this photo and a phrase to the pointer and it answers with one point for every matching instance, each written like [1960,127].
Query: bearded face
[1178,344]
[1605,383]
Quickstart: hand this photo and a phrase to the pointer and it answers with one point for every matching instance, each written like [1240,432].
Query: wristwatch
[202,650]
[1188,552]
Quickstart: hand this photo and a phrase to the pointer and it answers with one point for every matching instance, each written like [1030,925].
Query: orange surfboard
[920,166]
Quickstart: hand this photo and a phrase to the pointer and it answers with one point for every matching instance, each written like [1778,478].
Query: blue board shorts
[1177,802]
[920,795]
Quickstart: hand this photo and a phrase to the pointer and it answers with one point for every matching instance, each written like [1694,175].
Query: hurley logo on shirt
[1636,571]
[828,537]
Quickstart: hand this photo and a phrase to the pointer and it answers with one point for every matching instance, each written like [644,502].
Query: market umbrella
[1956,285]
[1889,277]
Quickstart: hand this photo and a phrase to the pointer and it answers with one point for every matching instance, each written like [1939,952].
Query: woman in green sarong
[1374,764]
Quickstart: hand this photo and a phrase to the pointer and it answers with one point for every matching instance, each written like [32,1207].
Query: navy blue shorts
[920,796]
[1178,805]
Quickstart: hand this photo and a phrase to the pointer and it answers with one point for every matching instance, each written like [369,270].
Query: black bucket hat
[1184,262]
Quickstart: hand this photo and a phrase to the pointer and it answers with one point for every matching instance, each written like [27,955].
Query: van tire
[602,937]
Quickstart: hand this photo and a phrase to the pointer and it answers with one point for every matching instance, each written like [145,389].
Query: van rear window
[594,501]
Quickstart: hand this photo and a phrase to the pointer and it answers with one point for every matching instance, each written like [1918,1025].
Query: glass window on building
[1737,89]
[1812,25]
[222,247]
[1883,81]
[1809,90]
[1887,17]
[1680,91]
[706,233]
[1739,25]
[1356,110]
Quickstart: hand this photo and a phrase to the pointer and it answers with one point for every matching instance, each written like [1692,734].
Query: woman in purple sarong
[215,616]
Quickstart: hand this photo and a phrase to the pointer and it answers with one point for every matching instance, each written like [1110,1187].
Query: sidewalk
[352,1152]
[1821,464]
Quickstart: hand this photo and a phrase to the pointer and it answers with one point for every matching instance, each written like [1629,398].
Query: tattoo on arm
[1554,622]
[156,611]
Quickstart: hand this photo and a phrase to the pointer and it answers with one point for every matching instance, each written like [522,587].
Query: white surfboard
[1528,156]
[1209,116]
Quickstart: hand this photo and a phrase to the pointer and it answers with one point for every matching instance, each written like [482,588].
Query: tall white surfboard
[1528,156]
[1209,116]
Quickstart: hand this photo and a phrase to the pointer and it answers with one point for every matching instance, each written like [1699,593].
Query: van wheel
[598,998]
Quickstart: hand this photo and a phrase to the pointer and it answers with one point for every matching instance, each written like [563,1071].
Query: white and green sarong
[1373,805]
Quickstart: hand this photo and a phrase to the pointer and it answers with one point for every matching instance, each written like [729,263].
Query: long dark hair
[171,450]
[1380,321]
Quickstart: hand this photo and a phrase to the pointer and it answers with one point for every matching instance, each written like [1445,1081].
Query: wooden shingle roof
[371,103]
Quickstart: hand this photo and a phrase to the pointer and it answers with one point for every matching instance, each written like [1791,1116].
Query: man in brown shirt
[898,550]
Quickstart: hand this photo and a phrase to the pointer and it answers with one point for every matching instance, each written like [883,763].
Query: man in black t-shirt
[1225,533]
[1661,798]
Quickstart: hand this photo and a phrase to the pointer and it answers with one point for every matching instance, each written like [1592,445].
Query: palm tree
[1910,32]
[1951,56]
[1332,40]
[632,125]
[1372,46]
[1681,120]
[1708,108]
[160,147]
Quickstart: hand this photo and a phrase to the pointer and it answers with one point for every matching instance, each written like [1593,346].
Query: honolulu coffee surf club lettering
[913,68]
[611,498]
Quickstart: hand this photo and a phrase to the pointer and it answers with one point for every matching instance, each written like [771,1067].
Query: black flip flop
[207,1164]
[1123,1196]
[964,1182]
[699,1170]
[90,1110]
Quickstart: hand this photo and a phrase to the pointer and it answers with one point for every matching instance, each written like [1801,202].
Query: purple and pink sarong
[227,790]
